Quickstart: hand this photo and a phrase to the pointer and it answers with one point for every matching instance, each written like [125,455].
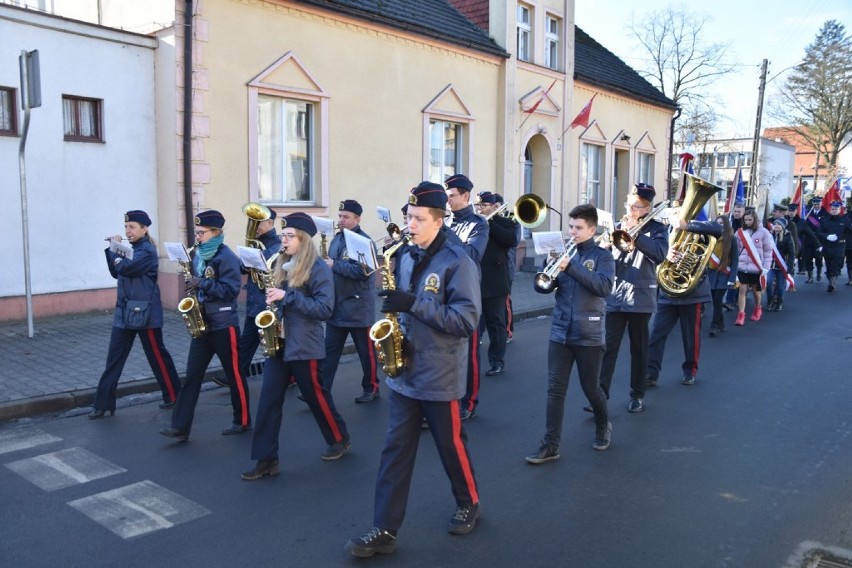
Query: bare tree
[816,99]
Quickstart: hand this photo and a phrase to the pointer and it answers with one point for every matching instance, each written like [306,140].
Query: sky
[755,29]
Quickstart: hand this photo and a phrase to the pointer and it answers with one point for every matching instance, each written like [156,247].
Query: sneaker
[235,429]
[712,332]
[374,541]
[464,519]
[687,380]
[740,319]
[635,405]
[466,415]
[602,436]
[262,469]
[336,450]
[756,315]
[367,396]
[175,433]
[546,453]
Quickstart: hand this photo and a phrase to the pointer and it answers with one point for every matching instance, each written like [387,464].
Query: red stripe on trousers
[323,403]
[371,353]
[458,444]
[161,364]
[696,332]
[232,335]
[509,315]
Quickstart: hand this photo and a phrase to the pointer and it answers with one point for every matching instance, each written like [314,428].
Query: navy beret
[816,200]
[645,191]
[299,221]
[352,206]
[210,218]
[428,194]
[836,203]
[272,215]
[498,198]
[779,207]
[460,182]
[138,216]
[486,197]
[405,209]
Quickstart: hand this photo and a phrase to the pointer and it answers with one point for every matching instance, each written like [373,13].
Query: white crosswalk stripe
[64,468]
[23,439]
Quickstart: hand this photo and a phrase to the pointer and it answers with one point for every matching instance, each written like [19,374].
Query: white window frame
[523,17]
[592,175]
[645,168]
[438,170]
[303,128]
[552,29]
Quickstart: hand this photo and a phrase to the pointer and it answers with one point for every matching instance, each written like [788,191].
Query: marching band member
[812,248]
[473,232]
[833,231]
[216,281]
[137,280]
[722,275]
[354,306]
[438,301]
[305,297]
[634,296]
[578,332]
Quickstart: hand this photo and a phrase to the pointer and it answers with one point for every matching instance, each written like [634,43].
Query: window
[524,29]
[445,150]
[591,157]
[645,168]
[82,118]
[285,150]
[8,112]
[551,43]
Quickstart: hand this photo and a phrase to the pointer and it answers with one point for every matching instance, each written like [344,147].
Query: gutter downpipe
[187,123]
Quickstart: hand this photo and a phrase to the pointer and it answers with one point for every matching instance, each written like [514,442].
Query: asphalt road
[750,467]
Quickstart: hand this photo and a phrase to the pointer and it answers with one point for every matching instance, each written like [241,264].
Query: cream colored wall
[378,84]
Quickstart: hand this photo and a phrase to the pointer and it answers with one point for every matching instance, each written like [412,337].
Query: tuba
[678,279]
[268,325]
[256,213]
[189,307]
[386,333]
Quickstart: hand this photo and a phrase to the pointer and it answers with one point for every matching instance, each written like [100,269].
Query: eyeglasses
[202,233]
[288,236]
[637,206]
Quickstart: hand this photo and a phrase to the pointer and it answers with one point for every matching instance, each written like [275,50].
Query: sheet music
[324,225]
[546,242]
[121,249]
[384,214]
[176,251]
[360,248]
[252,258]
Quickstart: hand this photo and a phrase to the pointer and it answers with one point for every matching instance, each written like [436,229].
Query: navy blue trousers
[637,331]
[120,343]
[471,395]
[667,316]
[335,338]
[249,342]
[400,450]
[270,408]
[223,344]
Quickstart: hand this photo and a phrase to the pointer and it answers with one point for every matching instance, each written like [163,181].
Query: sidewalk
[58,369]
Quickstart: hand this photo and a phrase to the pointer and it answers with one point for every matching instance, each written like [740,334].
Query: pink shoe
[740,319]
[758,312]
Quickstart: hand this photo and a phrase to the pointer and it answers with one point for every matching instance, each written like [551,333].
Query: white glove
[819,249]
[831,238]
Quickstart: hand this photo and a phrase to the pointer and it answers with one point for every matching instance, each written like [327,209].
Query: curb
[54,404]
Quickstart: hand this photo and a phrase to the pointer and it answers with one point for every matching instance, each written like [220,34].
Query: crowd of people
[450,283]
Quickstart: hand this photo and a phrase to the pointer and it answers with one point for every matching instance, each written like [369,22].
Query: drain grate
[823,559]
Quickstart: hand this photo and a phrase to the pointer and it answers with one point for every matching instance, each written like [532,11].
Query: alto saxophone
[386,333]
[267,322]
[189,307]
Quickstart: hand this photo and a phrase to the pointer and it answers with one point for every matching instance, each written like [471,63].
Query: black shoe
[810,279]
[375,541]
[496,369]
[635,405]
[651,381]
[849,282]
[819,277]
[545,453]
[336,450]
[464,519]
[367,396]
[729,307]
[96,414]
[712,332]
[221,381]
[602,436]
[174,433]
[165,405]
[235,429]
[262,469]
[830,288]
[687,380]
[466,415]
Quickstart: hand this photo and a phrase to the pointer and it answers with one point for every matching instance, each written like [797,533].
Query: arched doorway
[537,178]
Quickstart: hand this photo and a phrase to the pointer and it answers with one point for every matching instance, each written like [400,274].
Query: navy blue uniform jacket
[137,280]
[302,312]
[218,291]
[635,288]
[354,292]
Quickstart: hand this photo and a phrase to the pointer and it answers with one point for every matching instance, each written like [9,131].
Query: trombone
[624,240]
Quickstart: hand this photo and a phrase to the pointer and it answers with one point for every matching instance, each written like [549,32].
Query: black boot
[810,279]
[819,276]
[831,281]
[779,305]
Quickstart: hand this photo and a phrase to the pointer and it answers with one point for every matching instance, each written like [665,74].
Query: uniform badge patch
[433,283]
[590,265]
[209,272]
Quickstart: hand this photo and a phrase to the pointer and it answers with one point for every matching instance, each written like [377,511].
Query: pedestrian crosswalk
[129,511]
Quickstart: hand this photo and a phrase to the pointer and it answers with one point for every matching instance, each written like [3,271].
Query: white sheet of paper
[605,221]
[252,258]
[324,225]
[124,250]
[546,242]
[384,214]
[176,251]
[360,248]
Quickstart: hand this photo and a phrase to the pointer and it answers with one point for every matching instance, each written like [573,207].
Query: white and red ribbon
[745,239]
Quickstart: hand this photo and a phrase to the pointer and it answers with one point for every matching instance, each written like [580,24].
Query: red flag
[833,194]
[540,99]
[797,197]
[736,187]
[582,119]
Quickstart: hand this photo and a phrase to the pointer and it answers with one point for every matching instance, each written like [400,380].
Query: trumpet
[624,240]
[545,281]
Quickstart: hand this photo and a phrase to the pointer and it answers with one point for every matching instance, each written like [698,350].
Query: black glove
[396,300]
[192,285]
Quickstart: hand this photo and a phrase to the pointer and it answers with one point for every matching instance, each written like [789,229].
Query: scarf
[205,252]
